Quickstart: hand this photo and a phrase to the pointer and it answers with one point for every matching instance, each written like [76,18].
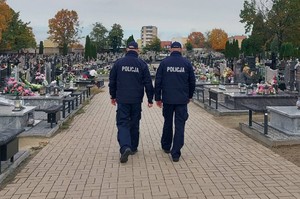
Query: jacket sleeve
[113,82]
[158,83]
[147,81]
[192,82]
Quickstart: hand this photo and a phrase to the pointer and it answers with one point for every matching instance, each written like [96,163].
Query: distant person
[128,78]
[247,75]
[174,88]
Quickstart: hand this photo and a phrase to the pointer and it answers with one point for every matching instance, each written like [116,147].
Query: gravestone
[222,67]
[270,73]
[251,62]
[287,73]
[291,75]
[16,72]
[48,71]
[2,76]
[22,61]
[237,69]
[297,68]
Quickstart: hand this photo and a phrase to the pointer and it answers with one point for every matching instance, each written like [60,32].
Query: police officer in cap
[174,88]
[128,79]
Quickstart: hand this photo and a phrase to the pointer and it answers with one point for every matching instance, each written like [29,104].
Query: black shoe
[124,156]
[175,159]
[167,151]
[134,152]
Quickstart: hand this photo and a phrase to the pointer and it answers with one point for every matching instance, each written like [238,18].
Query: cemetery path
[217,162]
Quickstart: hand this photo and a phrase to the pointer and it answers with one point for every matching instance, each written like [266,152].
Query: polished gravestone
[236,100]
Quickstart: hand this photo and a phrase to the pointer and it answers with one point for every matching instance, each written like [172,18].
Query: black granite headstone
[251,62]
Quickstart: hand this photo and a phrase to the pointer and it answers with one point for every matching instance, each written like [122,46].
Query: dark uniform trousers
[128,123]
[181,115]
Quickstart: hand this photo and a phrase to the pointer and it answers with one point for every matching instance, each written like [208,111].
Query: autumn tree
[18,35]
[115,37]
[197,39]
[5,17]
[218,38]
[64,28]
[98,36]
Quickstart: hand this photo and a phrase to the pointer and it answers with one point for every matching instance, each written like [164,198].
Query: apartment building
[148,33]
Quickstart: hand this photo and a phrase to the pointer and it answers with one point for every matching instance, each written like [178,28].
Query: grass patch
[95,90]
[86,102]
[80,111]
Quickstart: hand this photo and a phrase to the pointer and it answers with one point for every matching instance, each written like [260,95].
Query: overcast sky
[173,18]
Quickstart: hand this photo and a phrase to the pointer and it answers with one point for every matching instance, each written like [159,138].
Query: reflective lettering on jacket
[172,69]
[130,69]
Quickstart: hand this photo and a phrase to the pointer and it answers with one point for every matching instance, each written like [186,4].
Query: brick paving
[216,162]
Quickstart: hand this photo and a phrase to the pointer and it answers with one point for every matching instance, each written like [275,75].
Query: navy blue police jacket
[129,78]
[175,80]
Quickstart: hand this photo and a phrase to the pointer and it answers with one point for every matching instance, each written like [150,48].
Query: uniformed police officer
[127,80]
[174,88]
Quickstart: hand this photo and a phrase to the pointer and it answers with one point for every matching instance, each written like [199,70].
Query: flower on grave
[17,88]
[266,89]
[274,83]
[210,75]
[228,73]
[203,77]
[39,77]
[71,76]
[103,71]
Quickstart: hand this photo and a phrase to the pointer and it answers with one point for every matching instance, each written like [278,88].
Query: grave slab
[285,119]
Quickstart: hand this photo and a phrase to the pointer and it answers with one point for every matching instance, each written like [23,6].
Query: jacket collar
[176,53]
[132,53]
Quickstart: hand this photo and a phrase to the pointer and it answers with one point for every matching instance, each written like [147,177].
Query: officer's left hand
[150,105]
[159,104]
[113,102]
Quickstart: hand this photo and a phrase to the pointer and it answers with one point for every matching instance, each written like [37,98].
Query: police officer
[127,80]
[174,88]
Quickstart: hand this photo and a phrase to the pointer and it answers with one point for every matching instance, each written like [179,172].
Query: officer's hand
[159,104]
[190,100]
[113,102]
[150,105]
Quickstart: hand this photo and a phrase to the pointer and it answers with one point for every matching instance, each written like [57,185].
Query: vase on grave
[71,84]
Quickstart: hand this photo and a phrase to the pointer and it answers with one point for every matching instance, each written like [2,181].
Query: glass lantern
[242,88]
[56,90]
[42,90]
[266,89]
[249,90]
[17,104]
